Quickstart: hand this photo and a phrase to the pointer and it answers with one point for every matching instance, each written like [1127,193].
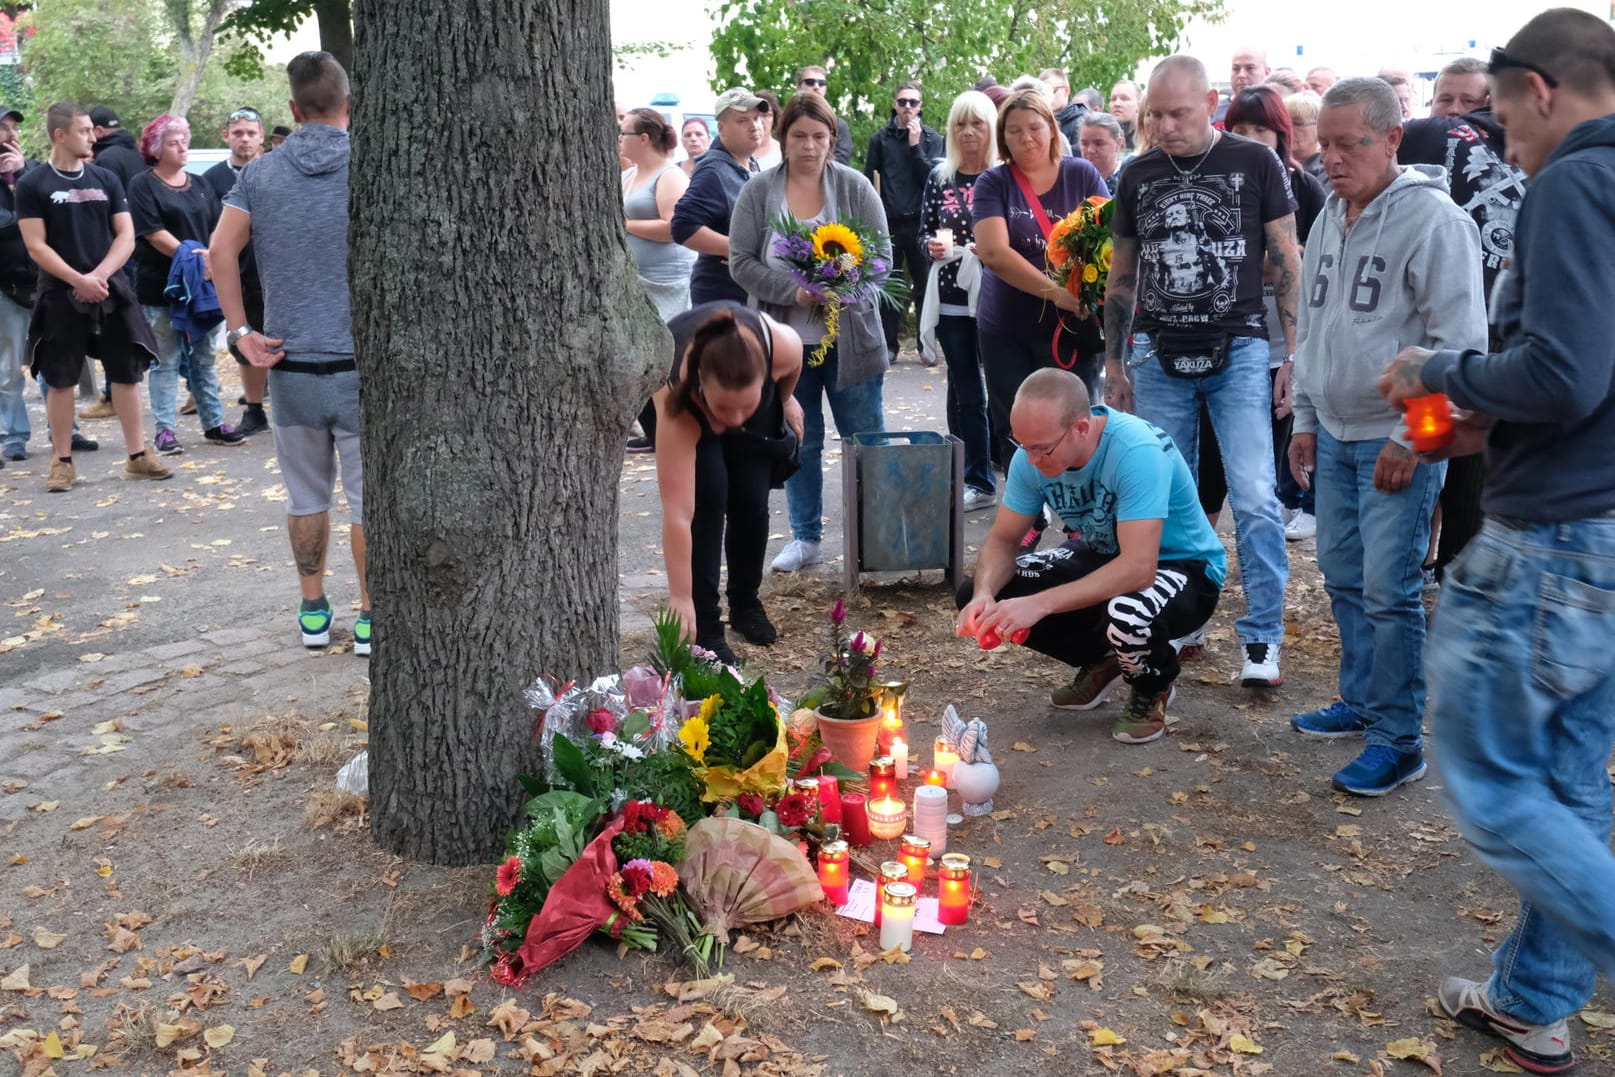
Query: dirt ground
[183,887]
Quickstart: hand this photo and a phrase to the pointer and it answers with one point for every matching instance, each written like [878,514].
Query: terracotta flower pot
[851,740]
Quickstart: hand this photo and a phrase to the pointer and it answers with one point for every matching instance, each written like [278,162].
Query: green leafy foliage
[745,726]
[869,46]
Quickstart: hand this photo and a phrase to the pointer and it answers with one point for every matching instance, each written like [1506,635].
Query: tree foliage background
[127,54]
[869,46]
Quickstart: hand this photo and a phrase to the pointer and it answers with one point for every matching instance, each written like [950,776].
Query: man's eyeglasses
[245,114]
[908,102]
[1042,451]
[820,83]
[1502,61]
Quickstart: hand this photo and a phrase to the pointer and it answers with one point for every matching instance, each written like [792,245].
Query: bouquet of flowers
[646,888]
[1079,251]
[737,741]
[851,688]
[840,264]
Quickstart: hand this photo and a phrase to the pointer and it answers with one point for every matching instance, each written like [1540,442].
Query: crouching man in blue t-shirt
[1144,568]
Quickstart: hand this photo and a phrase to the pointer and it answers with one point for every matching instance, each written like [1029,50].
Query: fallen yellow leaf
[47,940]
[218,1036]
[167,1034]
[85,823]
[1104,1037]
[1244,1045]
[53,1046]
[299,963]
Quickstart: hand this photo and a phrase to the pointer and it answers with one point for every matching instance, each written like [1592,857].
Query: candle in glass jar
[913,853]
[829,799]
[835,863]
[897,916]
[935,777]
[855,818]
[882,777]
[944,758]
[900,757]
[953,889]
[887,817]
[1429,421]
[891,871]
[891,726]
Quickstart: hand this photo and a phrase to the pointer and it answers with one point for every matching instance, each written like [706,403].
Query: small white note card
[861,906]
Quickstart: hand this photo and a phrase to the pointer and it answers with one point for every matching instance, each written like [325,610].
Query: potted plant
[848,701]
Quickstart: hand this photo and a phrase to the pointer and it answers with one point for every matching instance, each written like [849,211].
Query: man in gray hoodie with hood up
[1392,262]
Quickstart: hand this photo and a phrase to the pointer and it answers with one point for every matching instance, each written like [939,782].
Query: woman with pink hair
[170,206]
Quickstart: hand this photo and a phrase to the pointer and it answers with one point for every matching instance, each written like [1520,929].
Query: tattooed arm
[1121,297]
[1284,267]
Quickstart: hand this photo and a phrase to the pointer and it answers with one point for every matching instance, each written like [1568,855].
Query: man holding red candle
[1521,683]
[1392,261]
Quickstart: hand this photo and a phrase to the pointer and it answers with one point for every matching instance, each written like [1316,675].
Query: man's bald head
[1060,390]
[1249,68]
[1182,70]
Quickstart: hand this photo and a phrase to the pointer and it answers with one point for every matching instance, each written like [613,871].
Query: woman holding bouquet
[811,188]
[724,408]
[1024,320]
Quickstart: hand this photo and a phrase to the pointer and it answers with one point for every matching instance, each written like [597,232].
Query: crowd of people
[1290,269]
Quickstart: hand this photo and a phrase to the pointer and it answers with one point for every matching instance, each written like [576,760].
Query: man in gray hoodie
[1391,262]
[293,206]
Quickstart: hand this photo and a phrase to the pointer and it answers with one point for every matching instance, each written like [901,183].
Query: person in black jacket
[701,218]
[18,279]
[901,156]
[115,149]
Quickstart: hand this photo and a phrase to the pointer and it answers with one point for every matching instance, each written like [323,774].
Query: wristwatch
[234,336]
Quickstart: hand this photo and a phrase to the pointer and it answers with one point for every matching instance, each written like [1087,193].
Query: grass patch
[347,953]
[256,857]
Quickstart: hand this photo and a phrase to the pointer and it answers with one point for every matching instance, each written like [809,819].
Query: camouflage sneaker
[1144,719]
[1090,687]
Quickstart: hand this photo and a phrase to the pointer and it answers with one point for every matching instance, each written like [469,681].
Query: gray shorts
[316,426]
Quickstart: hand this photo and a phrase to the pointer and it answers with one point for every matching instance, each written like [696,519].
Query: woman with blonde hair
[948,320]
[1304,108]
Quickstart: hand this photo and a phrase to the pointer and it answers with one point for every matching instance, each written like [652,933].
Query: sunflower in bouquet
[1080,249]
[737,741]
[839,263]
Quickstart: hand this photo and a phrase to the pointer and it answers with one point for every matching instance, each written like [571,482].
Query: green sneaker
[361,635]
[1090,687]
[315,625]
[1144,719]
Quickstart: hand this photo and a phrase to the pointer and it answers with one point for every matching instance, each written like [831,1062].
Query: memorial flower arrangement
[737,741]
[851,687]
[840,264]
[1080,250]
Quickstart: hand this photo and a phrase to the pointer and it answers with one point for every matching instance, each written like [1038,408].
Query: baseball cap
[7,111]
[101,116]
[740,100]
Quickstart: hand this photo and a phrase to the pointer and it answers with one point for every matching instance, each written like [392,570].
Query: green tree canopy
[868,46]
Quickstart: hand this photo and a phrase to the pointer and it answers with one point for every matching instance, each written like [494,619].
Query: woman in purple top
[1024,321]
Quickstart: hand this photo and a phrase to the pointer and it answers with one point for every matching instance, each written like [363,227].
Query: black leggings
[731,485]
[1007,361]
[1138,628]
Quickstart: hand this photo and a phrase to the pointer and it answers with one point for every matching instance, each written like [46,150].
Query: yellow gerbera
[831,240]
[1090,273]
[696,734]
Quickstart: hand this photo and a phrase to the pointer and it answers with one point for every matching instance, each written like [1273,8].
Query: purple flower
[877,266]
[876,652]
[838,612]
[856,644]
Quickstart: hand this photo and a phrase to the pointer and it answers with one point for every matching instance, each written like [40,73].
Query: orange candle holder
[891,726]
[882,778]
[1429,421]
[835,865]
[954,889]
[935,777]
[914,853]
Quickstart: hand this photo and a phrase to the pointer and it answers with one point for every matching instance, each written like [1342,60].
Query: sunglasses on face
[908,102]
[1502,61]
[821,83]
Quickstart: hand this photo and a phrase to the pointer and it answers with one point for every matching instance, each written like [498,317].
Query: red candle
[834,866]
[1429,421]
[854,819]
[913,853]
[953,889]
[829,799]
[882,777]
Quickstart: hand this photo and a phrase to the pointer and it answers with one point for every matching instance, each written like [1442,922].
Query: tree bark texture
[504,345]
[195,49]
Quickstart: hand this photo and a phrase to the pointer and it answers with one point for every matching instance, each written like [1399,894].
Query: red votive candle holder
[1429,421]
[854,819]
[834,868]
[882,777]
[953,889]
[829,799]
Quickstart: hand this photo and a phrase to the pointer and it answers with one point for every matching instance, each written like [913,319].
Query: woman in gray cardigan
[810,186]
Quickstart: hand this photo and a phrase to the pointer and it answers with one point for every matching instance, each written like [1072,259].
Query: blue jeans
[1239,399]
[967,398]
[14,427]
[857,410]
[1523,696]
[1370,548]
[195,360]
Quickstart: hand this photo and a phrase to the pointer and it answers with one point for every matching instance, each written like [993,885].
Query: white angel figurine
[975,776]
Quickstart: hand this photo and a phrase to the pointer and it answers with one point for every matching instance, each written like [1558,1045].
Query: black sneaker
[224,435]
[640,445]
[753,625]
[253,421]
[84,444]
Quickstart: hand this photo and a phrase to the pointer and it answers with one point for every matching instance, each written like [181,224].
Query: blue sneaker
[1331,722]
[1379,770]
[315,625]
[361,636]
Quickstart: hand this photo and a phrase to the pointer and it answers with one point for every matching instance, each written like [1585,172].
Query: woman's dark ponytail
[729,350]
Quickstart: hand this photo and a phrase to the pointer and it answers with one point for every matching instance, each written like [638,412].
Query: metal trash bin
[903,503]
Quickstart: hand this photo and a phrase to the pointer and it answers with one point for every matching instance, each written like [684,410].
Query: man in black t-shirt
[75,221]
[1199,219]
[244,134]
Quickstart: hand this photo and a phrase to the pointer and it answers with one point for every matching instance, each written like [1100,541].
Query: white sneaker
[1303,525]
[797,554]
[978,499]
[1261,666]
[1191,645]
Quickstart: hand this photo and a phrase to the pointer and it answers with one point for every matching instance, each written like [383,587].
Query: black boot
[752,622]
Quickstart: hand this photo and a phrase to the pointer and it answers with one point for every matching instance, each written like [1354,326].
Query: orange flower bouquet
[1080,249]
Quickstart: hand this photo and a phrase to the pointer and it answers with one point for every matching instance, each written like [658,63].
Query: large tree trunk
[504,346]
[335,19]
[195,49]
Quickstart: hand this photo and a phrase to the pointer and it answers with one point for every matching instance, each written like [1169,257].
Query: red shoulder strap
[1032,200]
